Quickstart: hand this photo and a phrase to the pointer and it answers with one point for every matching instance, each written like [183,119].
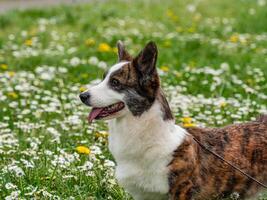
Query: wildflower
[9,186]
[177,74]
[13,195]
[93,60]
[234,38]
[102,65]
[3,66]
[191,8]
[28,42]
[82,89]
[187,122]
[103,134]
[104,47]
[223,104]
[83,150]
[90,42]
[109,163]
[86,166]
[75,61]
[189,125]
[261,2]
[12,95]
[164,68]
[16,170]
[11,73]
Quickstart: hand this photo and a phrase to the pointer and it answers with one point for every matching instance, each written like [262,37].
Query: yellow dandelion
[11,73]
[3,66]
[12,95]
[186,120]
[82,89]
[189,125]
[165,68]
[28,42]
[83,150]
[234,38]
[104,47]
[90,42]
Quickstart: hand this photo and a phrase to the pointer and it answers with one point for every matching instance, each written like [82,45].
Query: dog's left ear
[146,60]
[145,64]
[122,53]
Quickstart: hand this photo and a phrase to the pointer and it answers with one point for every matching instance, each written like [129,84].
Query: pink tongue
[94,113]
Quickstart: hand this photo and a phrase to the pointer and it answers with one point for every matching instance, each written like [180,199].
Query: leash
[233,166]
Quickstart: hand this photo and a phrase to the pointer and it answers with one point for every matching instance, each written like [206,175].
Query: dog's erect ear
[122,53]
[146,60]
[145,64]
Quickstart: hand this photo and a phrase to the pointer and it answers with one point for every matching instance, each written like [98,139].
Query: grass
[212,61]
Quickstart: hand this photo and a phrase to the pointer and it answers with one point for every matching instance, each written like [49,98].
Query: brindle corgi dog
[157,159]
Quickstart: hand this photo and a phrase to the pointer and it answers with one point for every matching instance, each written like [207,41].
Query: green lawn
[212,61]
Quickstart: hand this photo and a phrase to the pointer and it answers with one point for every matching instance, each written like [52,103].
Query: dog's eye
[114,82]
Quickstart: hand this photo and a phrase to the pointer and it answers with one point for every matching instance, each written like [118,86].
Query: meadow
[212,62]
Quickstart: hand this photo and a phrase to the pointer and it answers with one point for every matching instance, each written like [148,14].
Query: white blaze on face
[102,95]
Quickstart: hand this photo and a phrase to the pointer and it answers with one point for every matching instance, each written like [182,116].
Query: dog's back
[244,145]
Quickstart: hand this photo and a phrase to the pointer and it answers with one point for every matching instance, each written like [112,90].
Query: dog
[157,159]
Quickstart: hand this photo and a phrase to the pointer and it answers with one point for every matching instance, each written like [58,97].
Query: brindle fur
[198,174]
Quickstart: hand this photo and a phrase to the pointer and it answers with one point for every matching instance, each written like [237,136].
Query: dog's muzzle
[85,98]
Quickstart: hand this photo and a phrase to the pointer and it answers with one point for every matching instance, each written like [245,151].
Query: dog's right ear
[122,53]
[146,60]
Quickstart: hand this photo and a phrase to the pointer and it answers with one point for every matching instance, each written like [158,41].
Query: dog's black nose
[85,96]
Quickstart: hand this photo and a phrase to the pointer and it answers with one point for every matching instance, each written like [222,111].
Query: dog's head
[130,86]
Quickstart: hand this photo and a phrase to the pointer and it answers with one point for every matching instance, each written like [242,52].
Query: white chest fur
[143,147]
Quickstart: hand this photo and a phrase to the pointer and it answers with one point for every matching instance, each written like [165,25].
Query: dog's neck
[155,128]
[165,108]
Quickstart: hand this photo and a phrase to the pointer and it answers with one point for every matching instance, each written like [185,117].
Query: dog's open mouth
[99,113]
